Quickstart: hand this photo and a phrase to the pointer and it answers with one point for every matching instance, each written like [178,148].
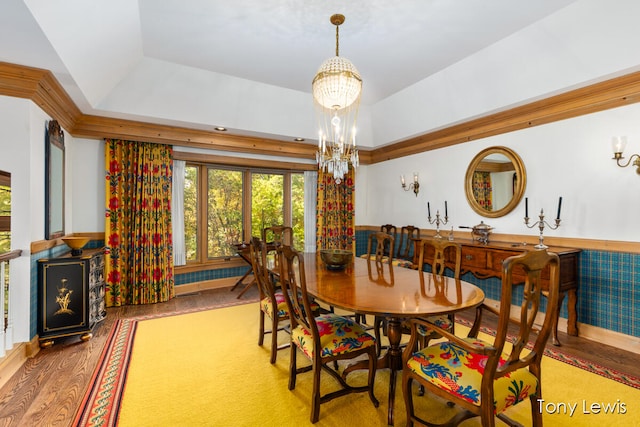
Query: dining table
[395,293]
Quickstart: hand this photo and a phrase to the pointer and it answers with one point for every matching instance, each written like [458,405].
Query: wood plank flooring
[48,389]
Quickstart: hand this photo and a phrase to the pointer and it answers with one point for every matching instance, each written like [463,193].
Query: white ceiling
[92,46]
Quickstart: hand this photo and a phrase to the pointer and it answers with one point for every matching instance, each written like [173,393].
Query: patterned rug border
[101,403]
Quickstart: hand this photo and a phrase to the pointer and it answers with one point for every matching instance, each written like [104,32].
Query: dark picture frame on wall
[54,181]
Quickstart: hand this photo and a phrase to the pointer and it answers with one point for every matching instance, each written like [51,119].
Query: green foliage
[267,201]
[224,208]
[5,210]
[190,212]
[224,212]
[297,206]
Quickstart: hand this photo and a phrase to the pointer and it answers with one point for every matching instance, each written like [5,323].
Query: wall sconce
[415,185]
[619,144]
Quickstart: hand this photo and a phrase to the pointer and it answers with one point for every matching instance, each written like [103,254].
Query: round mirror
[495,181]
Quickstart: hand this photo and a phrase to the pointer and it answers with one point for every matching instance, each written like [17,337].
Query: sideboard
[485,260]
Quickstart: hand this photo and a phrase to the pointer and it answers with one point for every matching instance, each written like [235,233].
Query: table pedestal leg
[394,356]
[392,359]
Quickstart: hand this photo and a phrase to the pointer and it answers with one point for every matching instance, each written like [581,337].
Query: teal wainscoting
[200,276]
[608,290]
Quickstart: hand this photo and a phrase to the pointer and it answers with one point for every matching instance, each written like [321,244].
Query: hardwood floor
[48,389]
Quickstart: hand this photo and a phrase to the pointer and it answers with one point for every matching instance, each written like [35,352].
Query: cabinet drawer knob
[468,257]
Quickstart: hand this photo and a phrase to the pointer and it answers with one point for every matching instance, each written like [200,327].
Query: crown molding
[43,89]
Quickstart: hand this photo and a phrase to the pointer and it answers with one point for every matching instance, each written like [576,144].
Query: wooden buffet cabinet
[485,261]
[71,292]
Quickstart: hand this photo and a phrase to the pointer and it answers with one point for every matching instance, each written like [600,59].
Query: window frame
[247,167]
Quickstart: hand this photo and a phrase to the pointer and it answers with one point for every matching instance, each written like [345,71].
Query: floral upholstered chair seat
[443,322]
[338,335]
[282,309]
[452,368]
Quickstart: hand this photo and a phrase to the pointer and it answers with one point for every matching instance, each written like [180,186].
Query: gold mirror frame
[519,182]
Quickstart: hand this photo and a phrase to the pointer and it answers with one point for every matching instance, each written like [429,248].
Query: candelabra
[437,220]
[541,222]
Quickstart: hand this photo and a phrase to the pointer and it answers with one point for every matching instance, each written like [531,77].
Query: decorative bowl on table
[336,259]
[76,244]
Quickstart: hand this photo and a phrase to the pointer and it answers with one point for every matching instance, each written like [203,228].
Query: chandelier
[336,92]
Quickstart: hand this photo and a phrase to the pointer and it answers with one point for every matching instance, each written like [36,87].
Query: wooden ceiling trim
[103,127]
[612,93]
[42,88]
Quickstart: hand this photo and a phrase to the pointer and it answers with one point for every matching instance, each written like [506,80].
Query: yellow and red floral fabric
[338,335]
[452,368]
[282,310]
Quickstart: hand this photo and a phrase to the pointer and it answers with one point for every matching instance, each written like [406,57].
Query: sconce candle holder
[541,222]
[437,220]
[415,185]
[619,144]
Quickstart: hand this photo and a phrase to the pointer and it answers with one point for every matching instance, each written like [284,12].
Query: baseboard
[190,288]
[590,332]
[607,337]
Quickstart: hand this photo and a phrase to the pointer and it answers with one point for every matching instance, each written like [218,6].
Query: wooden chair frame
[532,263]
[267,288]
[393,232]
[294,281]
[408,235]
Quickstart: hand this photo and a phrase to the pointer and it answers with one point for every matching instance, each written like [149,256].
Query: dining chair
[274,236]
[485,376]
[325,339]
[438,266]
[273,304]
[406,246]
[278,235]
[433,252]
[378,244]
[391,230]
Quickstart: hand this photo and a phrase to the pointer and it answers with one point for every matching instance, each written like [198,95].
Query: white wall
[570,158]
[20,150]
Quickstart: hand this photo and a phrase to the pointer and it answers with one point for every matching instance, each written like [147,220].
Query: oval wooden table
[395,293]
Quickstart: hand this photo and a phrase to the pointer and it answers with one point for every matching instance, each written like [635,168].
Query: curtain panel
[336,212]
[482,190]
[138,230]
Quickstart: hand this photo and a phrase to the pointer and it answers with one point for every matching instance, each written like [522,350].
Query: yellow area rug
[206,369]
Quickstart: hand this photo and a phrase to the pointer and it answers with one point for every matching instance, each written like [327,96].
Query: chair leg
[292,366]
[274,339]
[536,414]
[261,337]
[316,397]
[408,398]
[373,360]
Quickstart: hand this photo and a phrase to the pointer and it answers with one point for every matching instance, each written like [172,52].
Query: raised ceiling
[98,50]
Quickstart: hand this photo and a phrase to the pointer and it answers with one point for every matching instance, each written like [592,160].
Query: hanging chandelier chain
[336,90]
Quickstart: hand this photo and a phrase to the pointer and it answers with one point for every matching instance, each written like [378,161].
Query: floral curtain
[138,236]
[482,190]
[335,212]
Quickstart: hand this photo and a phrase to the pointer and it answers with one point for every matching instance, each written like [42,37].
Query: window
[227,205]
[5,212]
